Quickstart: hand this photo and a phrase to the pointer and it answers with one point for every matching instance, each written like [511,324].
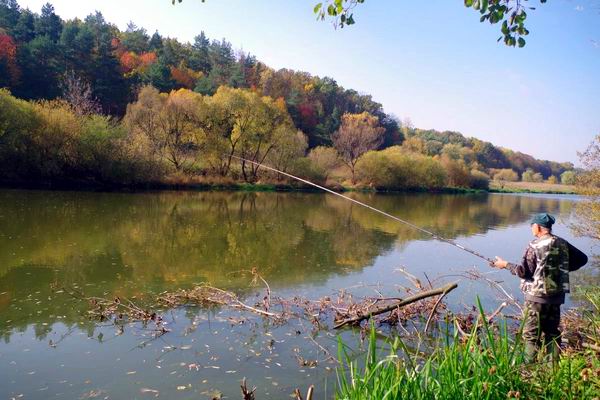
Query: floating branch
[437,303]
[208,295]
[386,308]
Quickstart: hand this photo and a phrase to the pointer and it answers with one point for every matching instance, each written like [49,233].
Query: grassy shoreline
[220,186]
[488,362]
[495,187]
[530,187]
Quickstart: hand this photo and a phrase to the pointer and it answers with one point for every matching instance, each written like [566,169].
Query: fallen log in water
[390,307]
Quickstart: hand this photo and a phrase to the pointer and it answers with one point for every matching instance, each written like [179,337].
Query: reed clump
[488,363]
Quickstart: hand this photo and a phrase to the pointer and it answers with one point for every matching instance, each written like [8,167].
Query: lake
[137,245]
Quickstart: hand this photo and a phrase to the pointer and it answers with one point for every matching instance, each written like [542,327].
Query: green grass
[489,364]
[530,187]
[590,315]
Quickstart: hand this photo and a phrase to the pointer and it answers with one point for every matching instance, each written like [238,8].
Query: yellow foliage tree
[168,123]
[243,123]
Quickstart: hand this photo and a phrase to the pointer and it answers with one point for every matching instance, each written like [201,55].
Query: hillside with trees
[85,102]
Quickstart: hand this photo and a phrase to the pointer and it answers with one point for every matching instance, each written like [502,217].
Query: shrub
[397,169]
[47,142]
[18,120]
[530,176]
[479,180]
[304,168]
[323,160]
[568,178]
[52,143]
[507,175]
[457,171]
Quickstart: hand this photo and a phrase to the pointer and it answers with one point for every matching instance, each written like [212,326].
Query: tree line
[124,106]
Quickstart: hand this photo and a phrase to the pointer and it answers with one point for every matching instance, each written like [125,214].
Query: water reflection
[134,244]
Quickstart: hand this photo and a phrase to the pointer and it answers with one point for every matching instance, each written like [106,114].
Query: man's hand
[500,263]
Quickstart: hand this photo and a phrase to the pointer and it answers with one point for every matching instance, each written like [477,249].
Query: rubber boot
[531,351]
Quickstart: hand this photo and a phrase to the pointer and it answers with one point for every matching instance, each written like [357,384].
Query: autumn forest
[86,103]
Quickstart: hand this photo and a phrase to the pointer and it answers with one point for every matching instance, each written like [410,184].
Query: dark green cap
[543,219]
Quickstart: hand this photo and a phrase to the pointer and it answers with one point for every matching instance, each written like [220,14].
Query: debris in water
[155,392]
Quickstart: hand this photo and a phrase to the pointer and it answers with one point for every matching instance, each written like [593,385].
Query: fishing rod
[360,203]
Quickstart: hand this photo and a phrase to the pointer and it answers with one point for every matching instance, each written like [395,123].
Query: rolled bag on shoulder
[551,275]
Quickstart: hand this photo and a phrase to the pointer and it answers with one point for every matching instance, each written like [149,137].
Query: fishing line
[432,234]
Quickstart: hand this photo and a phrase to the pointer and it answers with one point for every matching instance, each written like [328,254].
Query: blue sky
[432,62]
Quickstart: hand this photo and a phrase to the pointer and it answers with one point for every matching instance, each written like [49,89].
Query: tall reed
[487,364]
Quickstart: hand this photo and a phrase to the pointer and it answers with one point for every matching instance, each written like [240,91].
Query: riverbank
[202,184]
[487,362]
[531,187]
[220,185]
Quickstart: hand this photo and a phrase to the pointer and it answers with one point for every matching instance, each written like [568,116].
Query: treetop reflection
[135,244]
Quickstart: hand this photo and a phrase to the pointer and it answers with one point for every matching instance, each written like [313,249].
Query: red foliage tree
[8,58]
[147,59]
[184,77]
[129,62]
[308,116]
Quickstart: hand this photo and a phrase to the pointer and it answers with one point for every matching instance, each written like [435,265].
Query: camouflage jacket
[544,271]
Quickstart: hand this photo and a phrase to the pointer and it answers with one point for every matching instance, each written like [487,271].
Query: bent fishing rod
[360,203]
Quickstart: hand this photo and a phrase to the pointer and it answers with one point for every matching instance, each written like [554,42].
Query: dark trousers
[541,326]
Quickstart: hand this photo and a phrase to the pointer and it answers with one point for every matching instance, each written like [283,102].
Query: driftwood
[437,303]
[208,295]
[500,307]
[247,394]
[383,309]
[309,394]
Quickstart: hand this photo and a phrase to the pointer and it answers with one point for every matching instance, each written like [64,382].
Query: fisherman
[544,273]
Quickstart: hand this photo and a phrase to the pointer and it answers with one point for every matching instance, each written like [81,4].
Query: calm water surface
[138,245]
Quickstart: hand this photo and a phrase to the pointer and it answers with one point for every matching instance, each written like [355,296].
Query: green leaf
[468,3]
[331,10]
[317,8]
[521,42]
[484,6]
[505,27]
